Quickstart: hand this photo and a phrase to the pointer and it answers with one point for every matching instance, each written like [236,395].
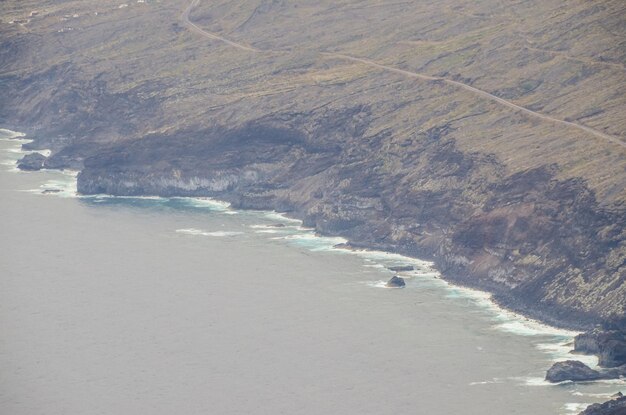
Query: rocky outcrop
[32,162]
[577,371]
[615,406]
[608,345]
[571,370]
[396,282]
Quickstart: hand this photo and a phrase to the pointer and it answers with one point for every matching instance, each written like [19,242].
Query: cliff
[489,138]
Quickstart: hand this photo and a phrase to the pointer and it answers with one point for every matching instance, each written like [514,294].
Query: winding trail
[484,94]
[198,30]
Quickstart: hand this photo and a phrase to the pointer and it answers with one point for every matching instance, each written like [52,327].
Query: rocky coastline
[493,251]
[606,339]
[387,161]
[414,154]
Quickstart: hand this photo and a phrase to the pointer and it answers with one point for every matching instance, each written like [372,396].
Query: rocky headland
[454,133]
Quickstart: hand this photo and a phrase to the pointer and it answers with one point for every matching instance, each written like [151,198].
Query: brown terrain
[489,137]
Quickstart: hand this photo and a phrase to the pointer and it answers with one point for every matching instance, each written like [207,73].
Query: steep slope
[488,137]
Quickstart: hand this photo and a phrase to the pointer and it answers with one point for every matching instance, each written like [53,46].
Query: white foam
[204,202]
[560,351]
[575,407]
[388,258]
[314,242]
[538,381]
[520,328]
[487,382]
[280,217]
[191,231]
[377,266]
[274,228]
[529,327]
[224,233]
[376,284]
[102,197]
[199,232]
[9,134]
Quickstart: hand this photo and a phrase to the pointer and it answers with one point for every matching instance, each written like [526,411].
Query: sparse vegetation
[505,201]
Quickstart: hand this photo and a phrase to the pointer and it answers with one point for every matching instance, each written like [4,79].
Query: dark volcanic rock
[613,407]
[614,373]
[577,371]
[32,162]
[508,204]
[609,346]
[571,370]
[514,246]
[396,282]
[401,268]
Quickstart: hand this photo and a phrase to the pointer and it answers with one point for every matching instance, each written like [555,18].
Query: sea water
[121,305]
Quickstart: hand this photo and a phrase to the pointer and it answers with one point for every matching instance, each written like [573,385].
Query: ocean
[115,305]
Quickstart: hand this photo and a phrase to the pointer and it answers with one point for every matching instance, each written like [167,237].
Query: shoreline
[542,326]
[553,341]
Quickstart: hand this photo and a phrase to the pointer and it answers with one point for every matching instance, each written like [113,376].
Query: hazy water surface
[162,306]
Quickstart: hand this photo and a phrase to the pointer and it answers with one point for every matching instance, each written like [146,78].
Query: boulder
[396,282]
[571,370]
[32,162]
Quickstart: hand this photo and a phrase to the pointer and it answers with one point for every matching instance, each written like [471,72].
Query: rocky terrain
[487,137]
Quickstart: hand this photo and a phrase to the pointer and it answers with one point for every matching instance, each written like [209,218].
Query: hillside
[489,137]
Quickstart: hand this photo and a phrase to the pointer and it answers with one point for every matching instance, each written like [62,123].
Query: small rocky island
[32,162]
[395,282]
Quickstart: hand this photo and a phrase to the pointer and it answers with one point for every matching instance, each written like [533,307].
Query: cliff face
[542,244]
[494,148]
